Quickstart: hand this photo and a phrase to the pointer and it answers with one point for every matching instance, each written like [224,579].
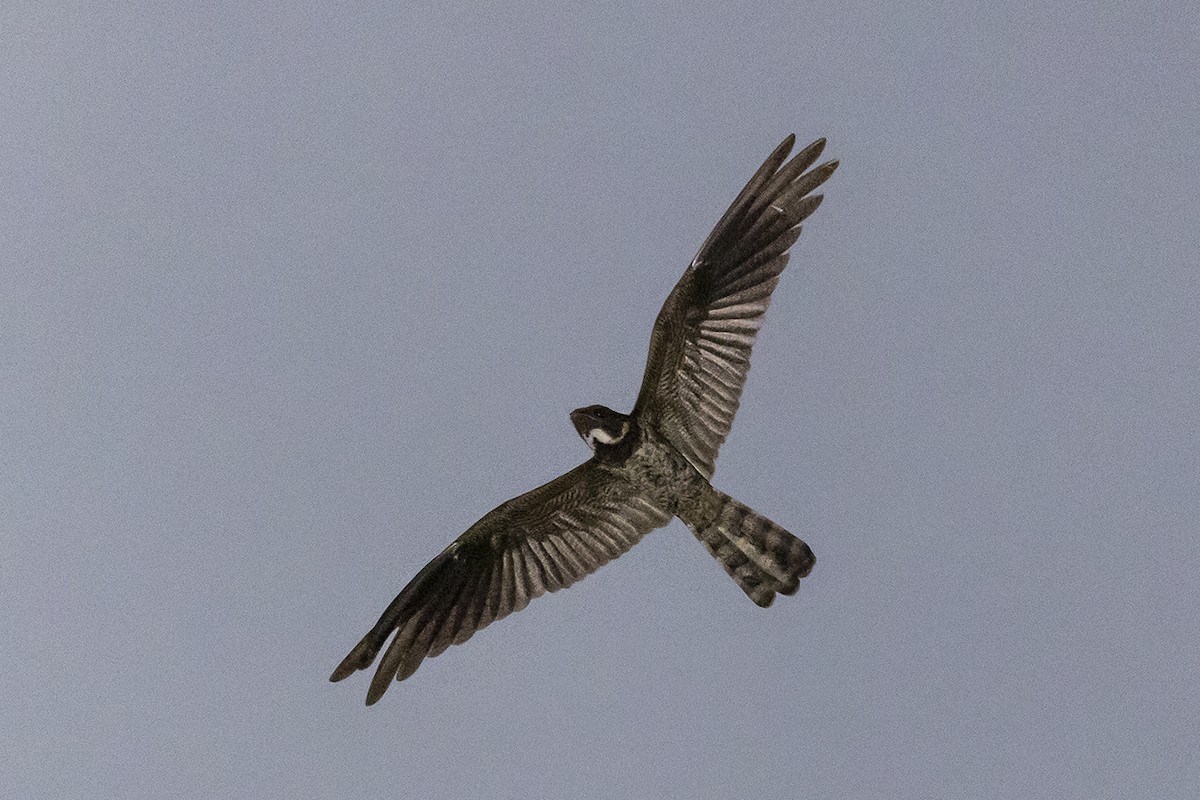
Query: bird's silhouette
[647,466]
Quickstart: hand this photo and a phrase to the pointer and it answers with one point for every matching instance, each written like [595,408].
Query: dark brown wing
[700,347]
[536,543]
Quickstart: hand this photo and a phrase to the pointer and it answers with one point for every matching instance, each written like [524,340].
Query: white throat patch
[604,437]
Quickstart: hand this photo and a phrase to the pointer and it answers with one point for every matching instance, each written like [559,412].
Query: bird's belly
[662,474]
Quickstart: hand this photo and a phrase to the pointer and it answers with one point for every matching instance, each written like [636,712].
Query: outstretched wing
[539,542]
[700,347]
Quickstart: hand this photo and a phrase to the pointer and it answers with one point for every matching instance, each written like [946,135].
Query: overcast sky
[291,296]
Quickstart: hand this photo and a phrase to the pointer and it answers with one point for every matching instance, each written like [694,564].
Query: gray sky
[291,296]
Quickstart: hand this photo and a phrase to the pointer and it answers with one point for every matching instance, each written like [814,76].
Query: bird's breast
[660,472]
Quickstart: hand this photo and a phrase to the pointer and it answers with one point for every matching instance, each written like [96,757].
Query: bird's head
[599,425]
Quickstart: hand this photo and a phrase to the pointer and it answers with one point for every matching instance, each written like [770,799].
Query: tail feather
[761,557]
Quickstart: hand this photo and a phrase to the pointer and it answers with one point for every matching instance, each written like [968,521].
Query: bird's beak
[584,424]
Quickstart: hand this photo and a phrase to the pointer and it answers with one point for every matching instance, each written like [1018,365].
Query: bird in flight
[647,466]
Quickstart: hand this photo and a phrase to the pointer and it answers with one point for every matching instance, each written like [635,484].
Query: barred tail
[759,555]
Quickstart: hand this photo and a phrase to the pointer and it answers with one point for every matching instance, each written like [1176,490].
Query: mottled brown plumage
[700,347]
[647,466]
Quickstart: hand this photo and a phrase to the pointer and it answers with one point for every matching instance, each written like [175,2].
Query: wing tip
[813,150]
[771,166]
[359,658]
[824,172]
[379,685]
